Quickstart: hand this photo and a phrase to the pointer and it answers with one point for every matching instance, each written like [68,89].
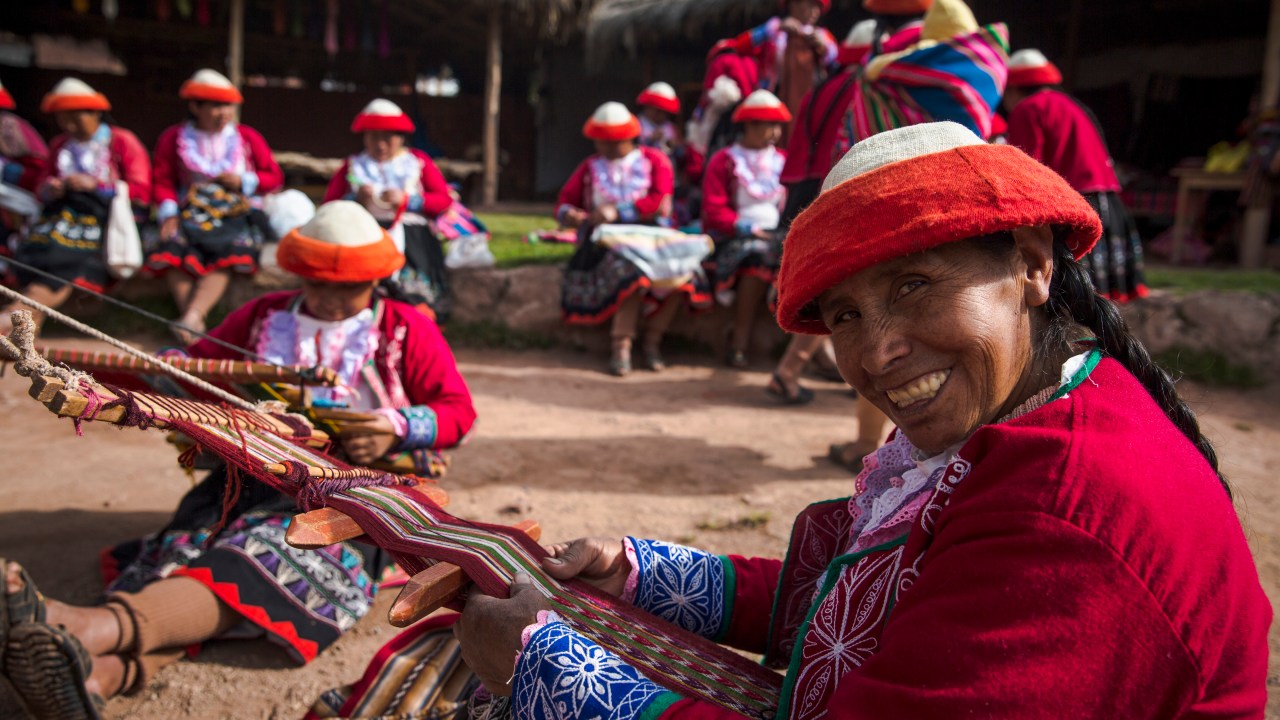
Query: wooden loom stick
[326,526]
[233,371]
[438,585]
[69,403]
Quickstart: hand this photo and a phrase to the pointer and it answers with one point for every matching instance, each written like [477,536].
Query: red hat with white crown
[662,96]
[342,243]
[857,44]
[382,115]
[762,106]
[612,122]
[210,86]
[6,100]
[914,188]
[1030,68]
[72,94]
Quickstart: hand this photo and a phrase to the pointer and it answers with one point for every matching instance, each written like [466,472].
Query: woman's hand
[230,181]
[365,195]
[604,215]
[367,441]
[573,218]
[489,631]
[80,182]
[601,562]
[169,228]
[393,197]
[793,26]
[53,189]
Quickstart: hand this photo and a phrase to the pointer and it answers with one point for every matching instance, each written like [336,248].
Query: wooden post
[1257,217]
[492,104]
[235,47]
[1071,48]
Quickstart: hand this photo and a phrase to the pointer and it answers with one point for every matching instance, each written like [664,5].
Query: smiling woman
[1046,534]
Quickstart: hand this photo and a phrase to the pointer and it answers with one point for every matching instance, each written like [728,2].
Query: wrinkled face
[212,116]
[941,341]
[807,12]
[758,135]
[336,301]
[80,124]
[614,149]
[382,145]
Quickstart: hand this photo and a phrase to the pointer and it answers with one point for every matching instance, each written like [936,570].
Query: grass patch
[1181,281]
[1209,367]
[507,240]
[747,522]
[487,334]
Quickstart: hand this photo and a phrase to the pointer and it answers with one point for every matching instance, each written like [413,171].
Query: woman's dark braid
[1073,302]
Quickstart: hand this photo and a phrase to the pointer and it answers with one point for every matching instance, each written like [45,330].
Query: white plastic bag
[19,201]
[468,251]
[122,246]
[287,210]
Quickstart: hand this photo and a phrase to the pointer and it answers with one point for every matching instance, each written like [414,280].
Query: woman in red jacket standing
[1059,131]
[742,200]
[90,162]
[1047,535]
[210,175]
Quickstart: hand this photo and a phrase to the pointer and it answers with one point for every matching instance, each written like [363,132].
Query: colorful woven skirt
[423,281]
[67,242]
[302,600]
[1115,263]
[742,257]
[608,267]
[220,230]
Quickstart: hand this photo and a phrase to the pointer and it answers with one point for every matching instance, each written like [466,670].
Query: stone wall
[1242,326]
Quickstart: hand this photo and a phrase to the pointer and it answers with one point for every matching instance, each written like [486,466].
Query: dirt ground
[698,455]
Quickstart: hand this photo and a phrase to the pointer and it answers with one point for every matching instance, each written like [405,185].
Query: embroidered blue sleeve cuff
[249,183]
[627,212]
[562,675]
[744,227]
[12,172]
[682,585]
[422,427]
[415,203]
[167,209]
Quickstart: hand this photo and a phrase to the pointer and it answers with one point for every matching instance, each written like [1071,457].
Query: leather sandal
[778,389]
[48,667]
[653,360]
[24,606]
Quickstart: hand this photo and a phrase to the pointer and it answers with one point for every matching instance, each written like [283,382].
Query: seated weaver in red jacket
[200,578]
[623,183]
[90,162]
[405,192]
[210,174]
[742,201]
[1047,534]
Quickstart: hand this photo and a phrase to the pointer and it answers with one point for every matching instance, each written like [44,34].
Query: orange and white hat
[70,95]
[6,100]
[854,49]
[210,86]
[612,121]
[662,96]
[342,243]
[382,115]
[762,106]
[1030,68]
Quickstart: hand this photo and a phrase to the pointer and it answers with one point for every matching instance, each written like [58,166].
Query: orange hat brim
[6,100]
[210,93]
[916,204]
[72,103]
[629,130]
[1034,76]
[777,113]
[382,123]
[316,260]
[665,104]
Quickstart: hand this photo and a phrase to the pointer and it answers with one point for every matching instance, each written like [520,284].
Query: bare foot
[194,324]
[107,678]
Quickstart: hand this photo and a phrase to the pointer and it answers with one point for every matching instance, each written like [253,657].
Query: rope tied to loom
[20,349]
[313,493]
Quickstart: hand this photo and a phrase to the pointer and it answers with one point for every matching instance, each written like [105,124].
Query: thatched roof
[615,24]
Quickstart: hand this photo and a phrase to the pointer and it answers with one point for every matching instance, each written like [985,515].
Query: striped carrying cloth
[959,79]
[669,258]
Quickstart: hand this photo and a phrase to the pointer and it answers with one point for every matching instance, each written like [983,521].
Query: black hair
[887,24]
[1074,304]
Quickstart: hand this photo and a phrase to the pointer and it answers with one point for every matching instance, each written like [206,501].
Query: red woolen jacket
[129,163]
[1054,129]
[435,191]
[655,204]
[1079,561]
[172,177]
[720,196]
[810,151]
[412,354]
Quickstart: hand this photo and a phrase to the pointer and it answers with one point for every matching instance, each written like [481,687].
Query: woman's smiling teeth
[922,388]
